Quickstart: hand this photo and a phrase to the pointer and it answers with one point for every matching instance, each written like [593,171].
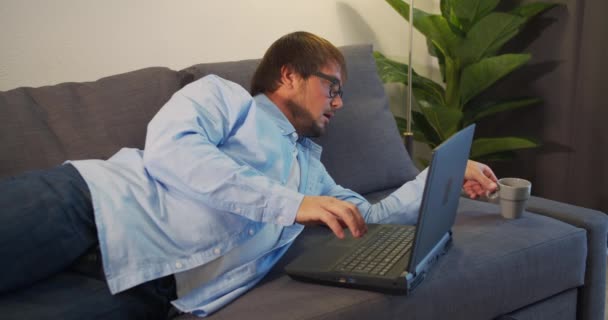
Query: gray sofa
[549,265]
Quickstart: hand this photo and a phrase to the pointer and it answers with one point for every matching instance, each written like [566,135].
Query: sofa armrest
[593,294]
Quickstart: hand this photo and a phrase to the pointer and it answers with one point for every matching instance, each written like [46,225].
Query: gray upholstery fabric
[593,294]
[495,266]
[362,160]
[560,307]
[42,127]
[236,71]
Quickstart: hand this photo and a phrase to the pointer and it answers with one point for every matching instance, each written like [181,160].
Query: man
[220,191]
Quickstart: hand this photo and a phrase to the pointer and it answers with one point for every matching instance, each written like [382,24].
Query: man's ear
[289,78]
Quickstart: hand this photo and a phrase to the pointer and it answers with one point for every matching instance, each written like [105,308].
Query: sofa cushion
[559,307]
[363,160]
[593,294]
[496,266]
[42,127]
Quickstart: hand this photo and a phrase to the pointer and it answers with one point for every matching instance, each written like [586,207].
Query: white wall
[49,42]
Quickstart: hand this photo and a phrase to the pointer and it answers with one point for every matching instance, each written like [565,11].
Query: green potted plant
[466,38]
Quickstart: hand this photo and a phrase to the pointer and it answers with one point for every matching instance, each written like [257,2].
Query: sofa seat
[495,267]
[559,307]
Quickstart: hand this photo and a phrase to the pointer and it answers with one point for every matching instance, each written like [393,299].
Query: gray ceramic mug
[512,194]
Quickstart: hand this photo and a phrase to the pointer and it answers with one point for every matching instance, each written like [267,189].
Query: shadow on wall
[354,28]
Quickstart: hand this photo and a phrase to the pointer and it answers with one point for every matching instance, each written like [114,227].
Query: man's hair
[302,51]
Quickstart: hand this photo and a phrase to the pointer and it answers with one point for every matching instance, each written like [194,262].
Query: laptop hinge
[438,250]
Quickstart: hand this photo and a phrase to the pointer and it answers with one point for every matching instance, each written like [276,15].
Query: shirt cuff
[284,207]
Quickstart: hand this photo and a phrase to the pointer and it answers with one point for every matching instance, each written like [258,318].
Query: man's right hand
[334,213]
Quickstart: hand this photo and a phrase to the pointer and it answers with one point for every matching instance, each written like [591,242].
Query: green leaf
[450,17]
[422,95]
[421,125]
[453,72]
[488,35]
[434,52]
[393,71]
[432,49]
[473,115]
[446,121]
[428,90]
[530,10]
[486,146]
[401,124]
[390,70]
[436,29]
[404,10]
[446,11]
[468,12]
[481,75]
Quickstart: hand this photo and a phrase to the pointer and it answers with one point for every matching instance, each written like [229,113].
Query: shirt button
[217,251]
[178,265]
[238,210]
[281,220]
[251,232]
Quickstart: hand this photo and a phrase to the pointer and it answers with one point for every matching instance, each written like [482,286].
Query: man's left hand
[479,179]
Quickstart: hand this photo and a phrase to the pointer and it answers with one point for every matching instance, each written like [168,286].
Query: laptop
[396,258]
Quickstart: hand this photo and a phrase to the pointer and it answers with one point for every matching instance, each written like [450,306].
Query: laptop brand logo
[446,192]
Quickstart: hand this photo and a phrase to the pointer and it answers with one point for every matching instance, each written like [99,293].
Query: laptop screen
[441,193]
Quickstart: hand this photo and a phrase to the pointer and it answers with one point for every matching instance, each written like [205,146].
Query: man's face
[313,107]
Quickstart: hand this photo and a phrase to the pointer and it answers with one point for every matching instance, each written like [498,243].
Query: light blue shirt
[213,173]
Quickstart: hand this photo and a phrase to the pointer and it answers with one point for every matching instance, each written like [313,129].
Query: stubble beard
[305,123]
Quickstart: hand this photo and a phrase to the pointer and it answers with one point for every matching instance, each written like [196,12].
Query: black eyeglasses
[335,89]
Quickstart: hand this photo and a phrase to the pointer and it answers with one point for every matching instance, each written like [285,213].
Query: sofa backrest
[42,127]
[362,148]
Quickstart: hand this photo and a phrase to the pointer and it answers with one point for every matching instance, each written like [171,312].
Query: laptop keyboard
[380,253]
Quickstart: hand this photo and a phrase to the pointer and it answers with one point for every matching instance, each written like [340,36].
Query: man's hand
[479,179]
[334,213]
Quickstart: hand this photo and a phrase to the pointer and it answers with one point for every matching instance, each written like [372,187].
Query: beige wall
[48,42]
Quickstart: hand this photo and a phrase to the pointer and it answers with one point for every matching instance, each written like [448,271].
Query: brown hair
[305,52]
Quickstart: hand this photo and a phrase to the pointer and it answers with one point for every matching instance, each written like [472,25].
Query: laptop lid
[441,194]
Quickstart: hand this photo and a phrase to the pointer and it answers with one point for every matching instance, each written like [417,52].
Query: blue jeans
[46,225]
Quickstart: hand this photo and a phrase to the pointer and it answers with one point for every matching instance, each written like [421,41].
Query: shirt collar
[281,120]
[284,125]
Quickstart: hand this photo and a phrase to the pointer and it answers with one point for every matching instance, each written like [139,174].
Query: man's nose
[336,102]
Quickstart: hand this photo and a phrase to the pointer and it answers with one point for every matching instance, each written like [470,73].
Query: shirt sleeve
[182,153]
[399,207]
